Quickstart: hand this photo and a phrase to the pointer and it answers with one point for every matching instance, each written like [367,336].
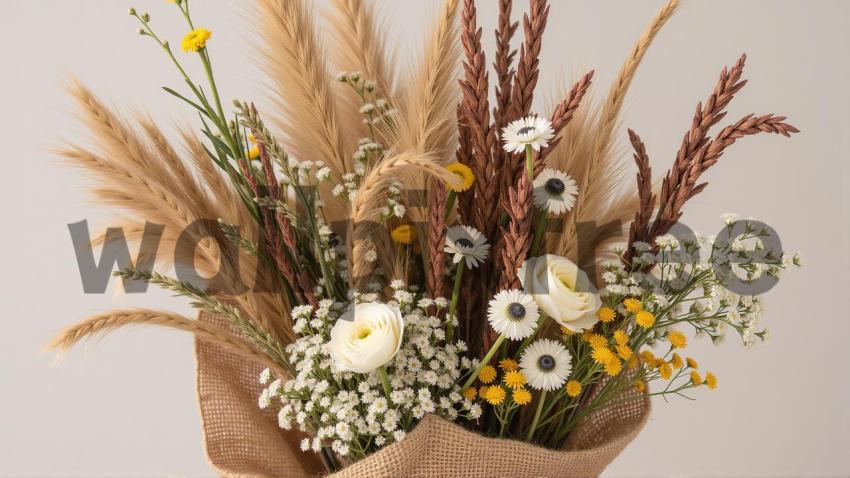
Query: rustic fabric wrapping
[243,441]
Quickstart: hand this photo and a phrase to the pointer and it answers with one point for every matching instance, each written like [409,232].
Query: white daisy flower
[531,131]
[513,313]
[465,242]
[546,365]
[554,191]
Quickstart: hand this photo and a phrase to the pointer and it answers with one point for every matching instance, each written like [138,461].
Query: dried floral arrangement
[412,248]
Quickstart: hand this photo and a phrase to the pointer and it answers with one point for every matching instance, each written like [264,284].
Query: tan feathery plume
[562,115]
[133,177]
[360,45]
[295,62]
[587,151]
[109,321]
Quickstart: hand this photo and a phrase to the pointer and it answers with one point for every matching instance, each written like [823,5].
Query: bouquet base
[243,441]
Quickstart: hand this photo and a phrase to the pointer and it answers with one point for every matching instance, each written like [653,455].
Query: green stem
[529,163]
[493,349]
[450,203]
[539,232]
[536,417]
[453,306]
[385,380]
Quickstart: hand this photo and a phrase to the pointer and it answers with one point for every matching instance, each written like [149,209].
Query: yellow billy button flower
[470,393]
[567,332]
[605,314]
[621,337]
[514,380]
[595,340]
[602,355]
[464,174]
[710,381]
[665,370]
[508,364]
[649,358]
[487,374]
[640,386]
[195,39]
[573,388]
[677,339]
[254,152]
[624,351]
[677,361]
[613,367]
[695,378]
[495,395]
[632,305]
[404,234]
[521,396]
[632,362]
[645,319]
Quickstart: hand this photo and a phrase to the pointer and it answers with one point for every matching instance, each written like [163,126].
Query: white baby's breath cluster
[350,412]
[690,281]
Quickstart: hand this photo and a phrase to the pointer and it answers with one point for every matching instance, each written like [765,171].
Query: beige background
[125,406]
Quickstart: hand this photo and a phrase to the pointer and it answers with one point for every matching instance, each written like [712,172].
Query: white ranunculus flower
[562,290]
[366,337]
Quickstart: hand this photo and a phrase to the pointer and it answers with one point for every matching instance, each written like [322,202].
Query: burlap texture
[243,441]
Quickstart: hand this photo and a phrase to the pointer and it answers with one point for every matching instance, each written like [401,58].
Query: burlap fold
[243,441]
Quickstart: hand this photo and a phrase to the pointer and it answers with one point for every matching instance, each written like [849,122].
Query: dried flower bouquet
[413,249]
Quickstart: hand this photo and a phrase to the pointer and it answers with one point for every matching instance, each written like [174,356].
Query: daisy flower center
[526,130]
[546,363]
[555,186]
[465,243]
[516,311]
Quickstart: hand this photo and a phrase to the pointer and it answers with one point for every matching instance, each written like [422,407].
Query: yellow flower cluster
[195,39]
[513,381]
[603,355]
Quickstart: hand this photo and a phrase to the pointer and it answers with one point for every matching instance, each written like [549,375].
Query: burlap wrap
[243,441]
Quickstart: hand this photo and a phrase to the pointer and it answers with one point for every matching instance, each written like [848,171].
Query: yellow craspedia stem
[487,374]
[710,381]
[645,319]
[665,370]
[613,367]
[470,393]
[605,314]
[514,379]
[621,337]
[677,361]
[464,174]
[640,386]
[692,363]
[573,388]
[508,364]
[495,395]
[624,351]
[595,340]
[521,396]
[195,39]
[677,339]
[404,234]
[695,378]
[632,305]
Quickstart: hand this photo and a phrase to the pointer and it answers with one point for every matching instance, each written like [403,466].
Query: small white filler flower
[465,242]
[531,131]
[546,365]
[513,313]
[554,191]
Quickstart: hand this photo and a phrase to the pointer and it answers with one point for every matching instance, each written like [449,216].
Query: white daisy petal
[513,313]
[531,131]
[554,191]
[465,242]
[546,365]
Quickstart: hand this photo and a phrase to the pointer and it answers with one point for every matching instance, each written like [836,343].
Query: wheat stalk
[295,62]
[109,321]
